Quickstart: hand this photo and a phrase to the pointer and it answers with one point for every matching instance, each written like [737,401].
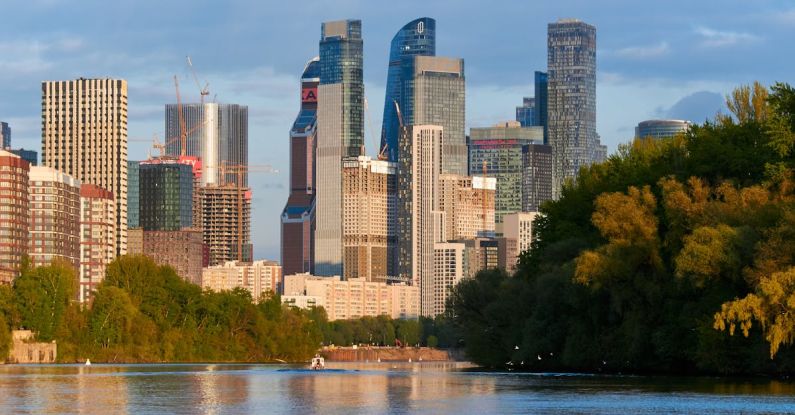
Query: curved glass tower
[417,37]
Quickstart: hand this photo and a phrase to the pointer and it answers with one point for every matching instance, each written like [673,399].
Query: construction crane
[203,91]
[370,124]
[240,170]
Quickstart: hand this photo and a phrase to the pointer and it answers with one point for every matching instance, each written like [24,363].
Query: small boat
[88,362]
[318,363]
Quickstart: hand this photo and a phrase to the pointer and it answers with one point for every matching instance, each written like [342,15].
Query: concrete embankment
[387,354]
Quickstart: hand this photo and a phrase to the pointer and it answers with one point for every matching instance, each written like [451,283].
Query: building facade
[84,135]
[97,237]
[54,217]
[467,206]
[133,196]
[519,227]
[14,214]
[297,216]
[433,93]
[661,128]
[449,270]
[28,155]
[418,204]
[526,114]
[260,278]
[369,221]
[416,38]
[340,134]
[5,135]
[226,223]
[165,192]
[537,176]
[182,250]
[216,133]
[541,82]
[498,152]
[350,299]
[571,62]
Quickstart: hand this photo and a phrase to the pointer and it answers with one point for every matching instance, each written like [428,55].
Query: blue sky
[655,59]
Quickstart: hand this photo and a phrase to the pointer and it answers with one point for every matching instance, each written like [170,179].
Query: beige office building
[54,217]
[84,134]
[351,299]
[261,278]
[369,218]
[419,168]
[468,205]
[97,237]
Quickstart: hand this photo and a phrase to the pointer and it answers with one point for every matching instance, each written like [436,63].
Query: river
[428,388]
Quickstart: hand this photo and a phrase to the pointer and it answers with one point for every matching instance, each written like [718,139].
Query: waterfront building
[297,216]
[216,133]
[340,133]
[14,214]
[433,93]
[181,249]
[369,218]
[416,38]
[84,135]
[54,217]
[226,223]
[418,205]
[498,152]
[260,278]
[525,115]
[537,176]
[449,270]
[467,206]
[133,196]
[166,195]
[571,64]
[661,128]
[353,298]
[97,237]
[5,135]
[30,156]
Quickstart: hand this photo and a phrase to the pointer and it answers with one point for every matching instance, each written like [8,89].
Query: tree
[42,296]
[112,317]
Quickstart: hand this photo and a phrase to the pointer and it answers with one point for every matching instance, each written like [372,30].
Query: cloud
[643,52]
[786,17]
[712,38]
[695,107]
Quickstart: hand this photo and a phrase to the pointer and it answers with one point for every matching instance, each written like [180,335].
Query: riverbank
[389,354]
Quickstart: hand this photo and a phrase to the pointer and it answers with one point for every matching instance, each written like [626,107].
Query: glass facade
[541,102]
[661,128]
[133,214]
[166,196]
[417,37]
[28,155]
[5,135]
[571,62]
[433,93]
[500,151]
[525,114]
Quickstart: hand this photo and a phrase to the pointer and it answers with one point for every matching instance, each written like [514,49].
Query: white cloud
[786,17]
[643,52]
[712,38]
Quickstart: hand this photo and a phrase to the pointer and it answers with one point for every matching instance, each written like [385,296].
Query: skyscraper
[536,176]
[5,135]
[416,38]
[216,133]
[433,93]
[540,118]
[340,120]
[226,232]
[15,216]
[84,134]
[526,114]
[297,216]
[133,214]
[54,217]
[418,206]
[499,150]
[571,62]
[166,195]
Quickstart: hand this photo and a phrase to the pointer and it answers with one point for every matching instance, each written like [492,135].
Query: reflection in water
[369,388]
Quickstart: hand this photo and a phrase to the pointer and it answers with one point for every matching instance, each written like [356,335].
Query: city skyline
[644,71]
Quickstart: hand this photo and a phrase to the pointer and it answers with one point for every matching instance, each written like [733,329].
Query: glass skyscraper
[571,62]
[340,133]
[133,217]
[525,114]
[166,195]
[417,37]
[541,102]
[5,135]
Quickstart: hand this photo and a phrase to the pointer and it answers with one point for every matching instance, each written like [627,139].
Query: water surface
[429,388]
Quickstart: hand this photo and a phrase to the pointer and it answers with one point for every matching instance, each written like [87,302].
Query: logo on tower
[420,27]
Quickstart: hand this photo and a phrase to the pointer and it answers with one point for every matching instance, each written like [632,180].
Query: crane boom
[203,91]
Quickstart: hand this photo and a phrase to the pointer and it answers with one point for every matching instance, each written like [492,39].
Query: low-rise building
[353,298]
[261,278]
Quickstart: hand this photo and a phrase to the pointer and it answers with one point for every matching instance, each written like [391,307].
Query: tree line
[674,255]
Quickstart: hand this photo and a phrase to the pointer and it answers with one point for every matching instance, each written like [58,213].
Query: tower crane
[203,91]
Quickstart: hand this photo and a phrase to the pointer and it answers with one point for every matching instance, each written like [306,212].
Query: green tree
[112,317]
[42,295]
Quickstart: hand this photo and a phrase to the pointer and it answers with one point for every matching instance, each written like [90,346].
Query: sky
[671,59]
